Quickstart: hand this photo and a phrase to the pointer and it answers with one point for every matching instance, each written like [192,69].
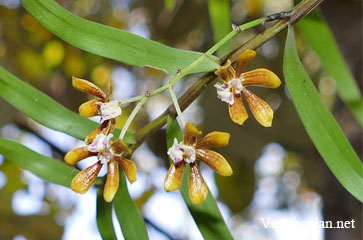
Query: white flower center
[226,91]
[109,110]
[101,145]
[181,152]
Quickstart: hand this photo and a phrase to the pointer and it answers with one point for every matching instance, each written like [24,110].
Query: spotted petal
[198,190]
[77,154]
[191,133]
[237,110]
[261,77]
[243,59]
[119,147]
[88,87]
[174,177]
[226,72]
[215,161]
[259,108]
[214,139]
[129,168]
[89,108]
[109,87]
[106,127]
[112,181]
[85,178]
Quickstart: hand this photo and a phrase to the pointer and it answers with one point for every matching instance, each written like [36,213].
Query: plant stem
[132,116]
[177,107]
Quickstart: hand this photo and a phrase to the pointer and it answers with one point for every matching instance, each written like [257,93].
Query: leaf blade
[104,217]
[207,216]
[319,123]
[111,42]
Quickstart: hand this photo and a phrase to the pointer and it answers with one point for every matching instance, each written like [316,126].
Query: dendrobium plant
[190,150]
[107,152]
[235,83]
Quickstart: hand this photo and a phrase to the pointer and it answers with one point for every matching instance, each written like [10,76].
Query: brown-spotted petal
[226,72]
[243,59]
[198,190]
[85,178]
[191,133]
[259,108]
[128,166]
[89,108]
[88,87]
[215,161]
[174,177]
[106,127]
[109,87]
[119,147]
[77,154]
[237,110]
[261,77]
[214,139]
[112,181]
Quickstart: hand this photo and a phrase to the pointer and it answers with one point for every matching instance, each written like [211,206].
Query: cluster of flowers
[188,151]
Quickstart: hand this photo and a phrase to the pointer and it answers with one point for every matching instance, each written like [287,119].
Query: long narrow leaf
[317,33]
[206,215]
[44,109]
[129,217]
[49,169]
[221,23]
[111,42]
[104,217]
[319,123]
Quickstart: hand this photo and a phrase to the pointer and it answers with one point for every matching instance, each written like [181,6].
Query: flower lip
[180,152]
[108,110]
[101,145]
[226,91]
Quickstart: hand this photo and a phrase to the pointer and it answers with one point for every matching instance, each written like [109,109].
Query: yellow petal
[85,178]
[215,161]
[88,87]
[259,108]
[198,190]
[243,59]
[119,147]
[112,181]
[89,108]
[226,72]
[261,77]
[214,139]
[237,110]
[174,177]
[109,87]
[129,168]
[106,127]
[77,154]
[191,133]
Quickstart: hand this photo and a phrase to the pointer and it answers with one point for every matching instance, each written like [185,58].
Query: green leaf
[129,217]
[206,215]
[221,23]
[319,123]
[44,109]
[317,33]
[111,42]
[50,169]
[104,217]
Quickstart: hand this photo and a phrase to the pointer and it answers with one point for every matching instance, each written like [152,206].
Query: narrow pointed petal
[88,87]
[191,133]
[261,77]
[237,110]
[198,190]
[129,168]
[112,181]
[215,161]
[226,72]
[77,154]
[214,139]
[259,108]
[243,59]
[85,178]
[89,108]
[174,178]
[106,127]
[119,147]
[109,87]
